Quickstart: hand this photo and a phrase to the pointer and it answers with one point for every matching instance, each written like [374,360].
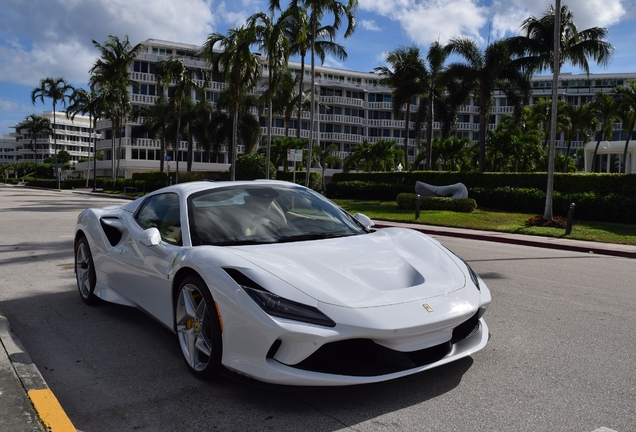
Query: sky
[53,38]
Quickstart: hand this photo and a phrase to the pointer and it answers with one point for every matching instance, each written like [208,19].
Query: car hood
[389,266]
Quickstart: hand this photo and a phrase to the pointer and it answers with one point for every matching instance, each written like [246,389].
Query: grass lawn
[493,220]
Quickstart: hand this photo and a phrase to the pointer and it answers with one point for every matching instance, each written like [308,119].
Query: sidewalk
[27,404]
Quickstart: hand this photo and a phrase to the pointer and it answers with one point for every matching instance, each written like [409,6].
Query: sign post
[295,156]
[168,164]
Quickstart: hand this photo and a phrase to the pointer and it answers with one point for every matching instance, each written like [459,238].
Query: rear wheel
[198,329]
[85,272]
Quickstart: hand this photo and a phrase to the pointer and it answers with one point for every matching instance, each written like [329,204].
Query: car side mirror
[150,237]
[364,220]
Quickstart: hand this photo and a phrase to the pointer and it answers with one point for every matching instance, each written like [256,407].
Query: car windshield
[256,214]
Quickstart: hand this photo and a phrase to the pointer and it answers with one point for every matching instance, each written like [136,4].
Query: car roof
[186,189]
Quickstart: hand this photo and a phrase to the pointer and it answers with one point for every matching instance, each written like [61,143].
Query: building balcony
[338,118]
[339,100]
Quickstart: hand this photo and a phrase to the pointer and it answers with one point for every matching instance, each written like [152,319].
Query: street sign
[294,155]
[168,159]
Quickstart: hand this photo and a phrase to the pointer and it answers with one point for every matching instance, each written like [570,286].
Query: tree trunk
[176,154]
[483,124]
[233,149]
[429,131]
[407,117]
[547,214]
[300,94]
[313,98]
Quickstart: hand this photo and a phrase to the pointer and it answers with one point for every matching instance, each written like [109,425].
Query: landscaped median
[493,220]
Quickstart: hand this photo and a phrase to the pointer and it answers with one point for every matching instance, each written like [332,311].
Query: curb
[47,410]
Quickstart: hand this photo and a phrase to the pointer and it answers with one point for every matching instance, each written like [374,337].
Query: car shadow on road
[131,370]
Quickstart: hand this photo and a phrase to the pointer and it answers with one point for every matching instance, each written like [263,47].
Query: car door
[141,264]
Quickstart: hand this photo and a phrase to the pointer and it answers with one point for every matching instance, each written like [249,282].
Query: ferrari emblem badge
[427,307]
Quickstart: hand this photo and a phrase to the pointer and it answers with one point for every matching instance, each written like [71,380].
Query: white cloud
[330,61]
[7,105]
[232,18]
[509,14]
[41,38]
[369,25]
[425,21]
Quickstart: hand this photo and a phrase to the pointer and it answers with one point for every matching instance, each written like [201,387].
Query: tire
[85,272]
[198,329]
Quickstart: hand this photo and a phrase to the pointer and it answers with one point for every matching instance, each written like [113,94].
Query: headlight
[474,276]
[281,307]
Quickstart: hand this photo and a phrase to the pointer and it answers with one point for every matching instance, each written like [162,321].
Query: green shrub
[588,205]
[357,189]
[620,184]
[315,179]
[252,167]
[464,205]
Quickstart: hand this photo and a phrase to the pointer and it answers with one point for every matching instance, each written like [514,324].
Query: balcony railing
[338,118]
[339,100]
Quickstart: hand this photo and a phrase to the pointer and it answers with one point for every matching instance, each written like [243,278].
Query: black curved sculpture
[457,190]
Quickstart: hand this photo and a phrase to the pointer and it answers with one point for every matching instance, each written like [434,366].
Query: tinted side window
[162,212]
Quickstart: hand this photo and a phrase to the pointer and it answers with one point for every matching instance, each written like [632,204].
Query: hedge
[606,184]
[315,179]
[588,205]
[357,189]
[465,205]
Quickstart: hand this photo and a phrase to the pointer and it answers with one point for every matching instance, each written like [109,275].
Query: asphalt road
[561,356]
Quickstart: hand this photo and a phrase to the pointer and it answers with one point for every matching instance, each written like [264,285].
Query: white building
[72,136]
[353,108]
[8,152]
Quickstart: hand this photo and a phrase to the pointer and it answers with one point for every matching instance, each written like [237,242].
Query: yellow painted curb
[50,411]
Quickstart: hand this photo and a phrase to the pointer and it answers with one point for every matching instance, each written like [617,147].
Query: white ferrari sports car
[274,282]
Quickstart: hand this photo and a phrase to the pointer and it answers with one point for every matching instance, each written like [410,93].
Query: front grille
[363,357]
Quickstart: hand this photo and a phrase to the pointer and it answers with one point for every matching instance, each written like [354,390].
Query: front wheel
[85,272]
[198,329]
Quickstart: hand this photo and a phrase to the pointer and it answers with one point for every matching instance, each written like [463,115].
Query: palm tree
[316,10]
[406,77]
[540,117]
[605,107]
[111,79]
[248,128]
[536,45]
[548,43]
[434,86]
[285,98]
[273,41]
[36,125]
[84,102]
[240,70]
[298,31]
[155,122]
[57,90]
[327,156]
[199,128]
[451,151]
[360,157]
[582,119]
[174,71]
[486,71]
[627,104]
